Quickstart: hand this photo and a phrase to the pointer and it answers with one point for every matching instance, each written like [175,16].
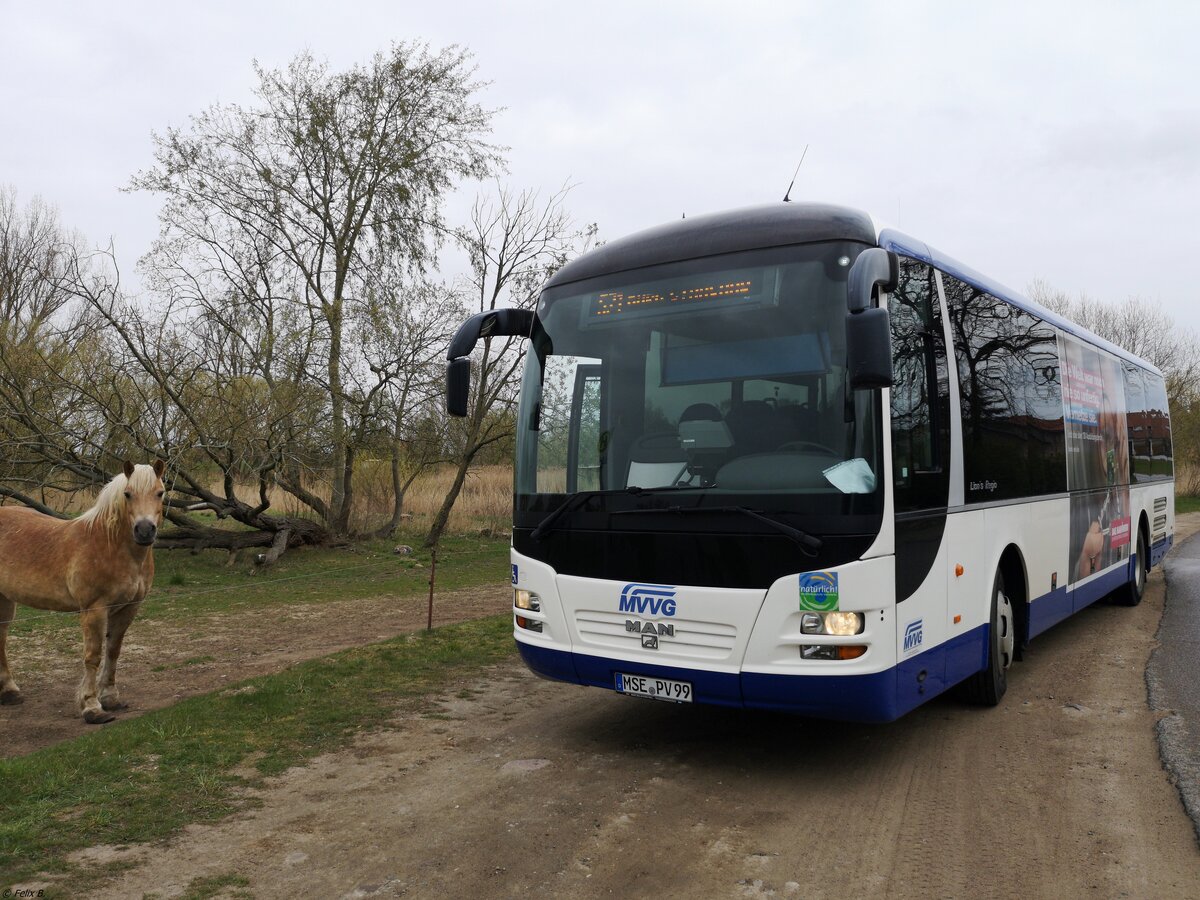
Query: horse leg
[9,692]
[93,621]
[119,619]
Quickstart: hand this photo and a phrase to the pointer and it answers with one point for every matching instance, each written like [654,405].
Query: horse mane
[108,512]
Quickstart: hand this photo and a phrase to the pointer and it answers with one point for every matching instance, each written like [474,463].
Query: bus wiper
[808,543]
[577,500]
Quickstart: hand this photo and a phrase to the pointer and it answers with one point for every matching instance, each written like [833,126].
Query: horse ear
[128,469]
[159,467]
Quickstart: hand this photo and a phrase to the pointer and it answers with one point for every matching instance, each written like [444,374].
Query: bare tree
[41,336]
[326,179]
[404,342]
[34,252]
[514,243]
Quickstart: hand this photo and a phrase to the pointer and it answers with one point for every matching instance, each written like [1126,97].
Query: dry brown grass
[484,504]
[1187,479]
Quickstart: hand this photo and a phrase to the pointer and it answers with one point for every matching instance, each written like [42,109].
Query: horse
[100,565]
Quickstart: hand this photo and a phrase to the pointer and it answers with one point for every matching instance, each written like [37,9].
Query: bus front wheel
[988,686]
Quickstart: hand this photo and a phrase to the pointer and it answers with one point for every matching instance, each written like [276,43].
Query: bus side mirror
[491,323]
[873,268]
[868,325]
[869,349]
[458,385]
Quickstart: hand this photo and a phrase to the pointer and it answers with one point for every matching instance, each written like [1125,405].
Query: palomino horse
[99,565]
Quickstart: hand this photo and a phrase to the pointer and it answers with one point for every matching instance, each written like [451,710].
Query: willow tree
[326,178]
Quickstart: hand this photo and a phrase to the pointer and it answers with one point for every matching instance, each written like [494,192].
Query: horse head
[144,500]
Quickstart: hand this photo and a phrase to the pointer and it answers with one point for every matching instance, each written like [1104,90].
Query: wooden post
[432,575]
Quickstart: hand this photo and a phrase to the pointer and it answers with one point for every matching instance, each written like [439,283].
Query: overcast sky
[1044,140]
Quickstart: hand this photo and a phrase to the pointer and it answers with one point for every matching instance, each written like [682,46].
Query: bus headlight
[523,599]
[843,623]
[839,623]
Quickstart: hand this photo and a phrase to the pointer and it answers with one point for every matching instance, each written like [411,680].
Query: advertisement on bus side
[1097,457]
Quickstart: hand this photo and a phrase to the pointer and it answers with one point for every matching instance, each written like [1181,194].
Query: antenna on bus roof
[787,198]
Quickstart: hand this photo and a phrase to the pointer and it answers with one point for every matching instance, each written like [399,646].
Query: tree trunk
[443,514]
[399,490]
[299,532]
[341,524]
[278,546]
[338,513]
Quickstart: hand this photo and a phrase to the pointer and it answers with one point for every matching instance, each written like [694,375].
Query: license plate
[655,688]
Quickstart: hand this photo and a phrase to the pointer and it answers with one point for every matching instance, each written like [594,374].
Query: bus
[781,458]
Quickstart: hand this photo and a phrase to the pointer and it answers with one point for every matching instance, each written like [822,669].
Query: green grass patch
[1184,504]
[146,778]
[205,888]
[189,584]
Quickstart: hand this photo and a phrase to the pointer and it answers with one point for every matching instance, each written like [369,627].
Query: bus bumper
[874,697]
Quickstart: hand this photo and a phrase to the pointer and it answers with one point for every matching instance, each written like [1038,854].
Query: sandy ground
[509,786]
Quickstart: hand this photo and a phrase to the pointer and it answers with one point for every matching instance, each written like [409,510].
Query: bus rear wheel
[1132,592]
[989,686]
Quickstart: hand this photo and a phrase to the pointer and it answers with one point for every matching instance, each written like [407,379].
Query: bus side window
[1137,419]
[920,394]
[568,423]
[1158,427]
[1011,394]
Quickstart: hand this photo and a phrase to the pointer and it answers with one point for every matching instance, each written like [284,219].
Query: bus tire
[988,686]
[1132,592]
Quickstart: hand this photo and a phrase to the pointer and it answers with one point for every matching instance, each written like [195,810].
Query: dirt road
[529,788]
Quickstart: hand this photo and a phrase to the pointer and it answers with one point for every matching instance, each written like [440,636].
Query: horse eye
[128,496]
[160,493]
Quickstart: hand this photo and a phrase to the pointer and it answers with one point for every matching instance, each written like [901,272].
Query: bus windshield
[723,376]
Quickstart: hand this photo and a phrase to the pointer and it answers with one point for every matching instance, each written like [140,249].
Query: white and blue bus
[779,458]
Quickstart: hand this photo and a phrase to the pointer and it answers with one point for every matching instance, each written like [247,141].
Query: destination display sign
[748,287]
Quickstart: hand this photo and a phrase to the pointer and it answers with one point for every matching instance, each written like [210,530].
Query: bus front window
[725,376]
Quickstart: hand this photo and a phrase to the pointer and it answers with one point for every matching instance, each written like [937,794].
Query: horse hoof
[12,698]
[114,705]
[97,716]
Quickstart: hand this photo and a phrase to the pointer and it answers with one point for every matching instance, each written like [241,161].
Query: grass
[1184,504]
[204,888]
[146,778]
[189,585]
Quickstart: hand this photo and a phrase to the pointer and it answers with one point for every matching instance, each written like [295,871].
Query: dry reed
[484,504]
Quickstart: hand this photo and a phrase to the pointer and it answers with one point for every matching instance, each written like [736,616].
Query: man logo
[665,629]
[650,641]
[655,599]
[913,635]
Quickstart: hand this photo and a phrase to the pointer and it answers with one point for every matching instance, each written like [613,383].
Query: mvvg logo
[913,635]
[655,599]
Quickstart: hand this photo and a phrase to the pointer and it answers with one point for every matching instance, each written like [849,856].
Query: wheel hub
[1006,638]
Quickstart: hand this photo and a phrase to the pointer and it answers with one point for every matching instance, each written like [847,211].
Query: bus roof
[753,228]
[781,224]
